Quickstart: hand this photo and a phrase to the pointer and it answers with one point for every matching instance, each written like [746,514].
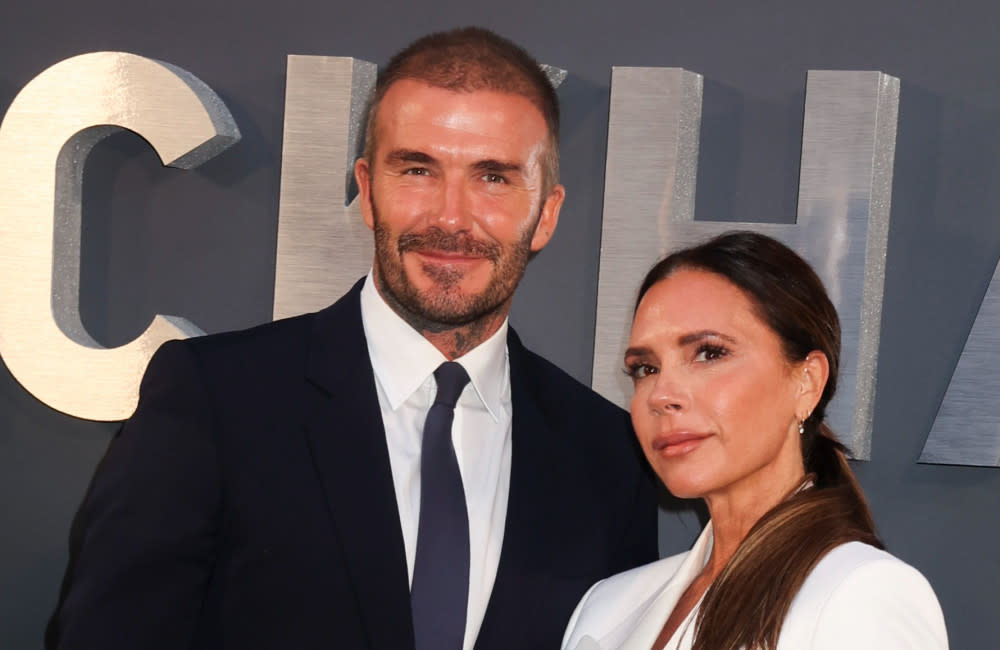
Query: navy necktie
[440,591]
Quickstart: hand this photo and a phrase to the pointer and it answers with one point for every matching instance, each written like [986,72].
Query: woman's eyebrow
[700,335]
[638,351]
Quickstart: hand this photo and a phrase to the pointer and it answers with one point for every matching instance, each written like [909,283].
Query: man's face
[454,195]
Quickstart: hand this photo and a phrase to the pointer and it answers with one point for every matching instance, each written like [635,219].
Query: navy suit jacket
[249,503]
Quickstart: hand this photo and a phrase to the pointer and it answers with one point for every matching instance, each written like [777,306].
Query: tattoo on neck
[456,342]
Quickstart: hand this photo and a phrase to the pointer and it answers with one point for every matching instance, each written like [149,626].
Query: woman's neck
[737,509]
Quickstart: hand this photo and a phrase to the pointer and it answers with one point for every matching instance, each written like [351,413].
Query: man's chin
[446,307]
[445,302]
[454,286]
[467,277]
[451,308]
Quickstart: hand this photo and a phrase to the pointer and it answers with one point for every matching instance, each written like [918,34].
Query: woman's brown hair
[746,605]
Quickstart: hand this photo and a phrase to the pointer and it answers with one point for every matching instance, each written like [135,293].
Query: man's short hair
[470,59]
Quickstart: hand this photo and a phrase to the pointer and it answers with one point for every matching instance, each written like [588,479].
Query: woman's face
[716,404]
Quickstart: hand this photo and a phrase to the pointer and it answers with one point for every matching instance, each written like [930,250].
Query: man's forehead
[414,111]
[418,100]
[404,90]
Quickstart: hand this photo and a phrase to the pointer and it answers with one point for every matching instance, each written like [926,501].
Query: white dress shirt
[404,363]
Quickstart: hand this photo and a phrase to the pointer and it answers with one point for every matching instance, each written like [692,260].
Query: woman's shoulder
[856,565]
[860,596]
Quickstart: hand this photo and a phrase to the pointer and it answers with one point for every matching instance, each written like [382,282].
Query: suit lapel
[528,530]
[347,439]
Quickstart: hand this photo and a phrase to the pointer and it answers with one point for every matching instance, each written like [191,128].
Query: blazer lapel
[659,607]
[347,439]
[529,522]
[655,614]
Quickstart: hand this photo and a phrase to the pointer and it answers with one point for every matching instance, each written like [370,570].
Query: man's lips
[678,443]
[448,257]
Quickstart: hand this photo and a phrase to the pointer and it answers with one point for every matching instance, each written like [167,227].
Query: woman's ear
[813,374]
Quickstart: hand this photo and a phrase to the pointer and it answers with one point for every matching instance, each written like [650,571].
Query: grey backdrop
[201,244]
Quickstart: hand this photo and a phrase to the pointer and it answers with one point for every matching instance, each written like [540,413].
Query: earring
[802,427]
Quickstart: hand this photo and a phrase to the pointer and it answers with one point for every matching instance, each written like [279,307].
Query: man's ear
[548,219]
[362,174]
[814,372]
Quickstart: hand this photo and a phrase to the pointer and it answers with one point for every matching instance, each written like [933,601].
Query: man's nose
[454,210]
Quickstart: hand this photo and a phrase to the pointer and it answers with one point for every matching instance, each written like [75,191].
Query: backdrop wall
[201,244]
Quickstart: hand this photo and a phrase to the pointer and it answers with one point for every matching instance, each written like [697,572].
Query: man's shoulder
[257,336]
[266,350]
[551,381]
[232,358]
[260,344]
[601,431]
[282,337]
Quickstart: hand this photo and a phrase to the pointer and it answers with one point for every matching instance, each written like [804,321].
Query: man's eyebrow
[408,156]
[694,337]
[495,166]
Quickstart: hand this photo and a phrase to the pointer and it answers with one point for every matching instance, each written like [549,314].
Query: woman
[734,354]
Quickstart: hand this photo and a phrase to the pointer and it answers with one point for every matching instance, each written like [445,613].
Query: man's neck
[455,342]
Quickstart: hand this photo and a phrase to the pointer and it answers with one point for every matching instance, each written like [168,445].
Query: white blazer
[856,598]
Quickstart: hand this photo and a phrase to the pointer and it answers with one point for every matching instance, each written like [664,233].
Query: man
[305,484]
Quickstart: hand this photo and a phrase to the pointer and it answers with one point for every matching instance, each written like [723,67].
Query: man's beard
[446,306]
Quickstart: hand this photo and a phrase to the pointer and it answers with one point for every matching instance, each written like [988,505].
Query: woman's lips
[678,444]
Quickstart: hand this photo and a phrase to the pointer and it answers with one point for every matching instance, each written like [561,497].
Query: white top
[856,598]
[404,363]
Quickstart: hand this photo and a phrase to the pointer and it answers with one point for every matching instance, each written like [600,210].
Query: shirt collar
[403,359]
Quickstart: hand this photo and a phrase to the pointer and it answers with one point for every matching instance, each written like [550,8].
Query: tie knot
[451,379]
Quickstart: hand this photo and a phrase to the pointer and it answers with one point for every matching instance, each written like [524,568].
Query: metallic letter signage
[967,428]
[323,243]
[45,138]
[845,185]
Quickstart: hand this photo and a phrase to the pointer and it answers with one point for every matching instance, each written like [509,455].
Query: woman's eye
[639,370]
[710,353]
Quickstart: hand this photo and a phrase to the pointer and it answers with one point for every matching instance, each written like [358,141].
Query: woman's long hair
[746,605]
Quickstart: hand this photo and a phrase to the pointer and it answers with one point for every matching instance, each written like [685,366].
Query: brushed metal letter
[323,243]
[45,138]
[845,186]
[966,430]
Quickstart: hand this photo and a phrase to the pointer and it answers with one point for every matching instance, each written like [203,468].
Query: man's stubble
[448,308]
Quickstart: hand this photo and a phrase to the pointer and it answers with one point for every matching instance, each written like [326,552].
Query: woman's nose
[667,394]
